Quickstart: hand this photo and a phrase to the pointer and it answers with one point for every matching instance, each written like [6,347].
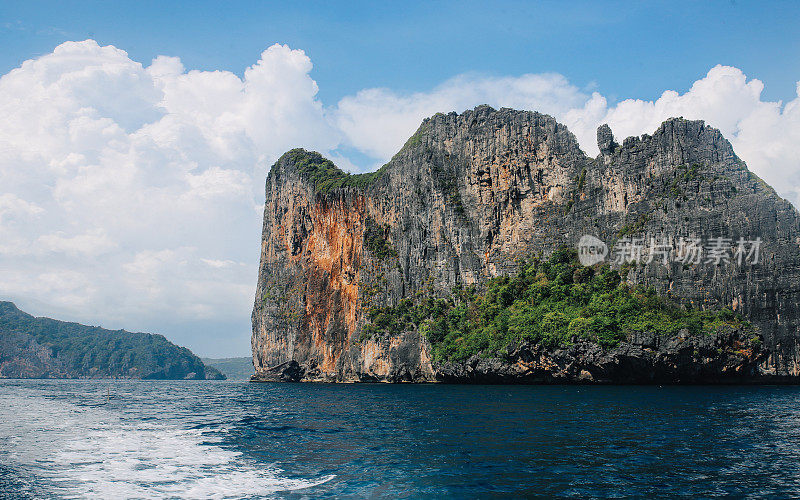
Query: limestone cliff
[470,193]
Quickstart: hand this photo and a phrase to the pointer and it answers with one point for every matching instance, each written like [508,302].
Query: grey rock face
[470,193]
[605,140]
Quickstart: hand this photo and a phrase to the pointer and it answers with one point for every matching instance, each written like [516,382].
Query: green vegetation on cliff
[324,175]
[553,302]
[376,239]
[72,350]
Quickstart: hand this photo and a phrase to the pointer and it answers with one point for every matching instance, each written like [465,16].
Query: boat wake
[90,452]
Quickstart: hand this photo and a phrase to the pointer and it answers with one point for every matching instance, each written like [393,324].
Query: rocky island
[456,261]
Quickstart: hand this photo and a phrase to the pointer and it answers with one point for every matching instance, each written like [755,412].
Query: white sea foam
[90,452]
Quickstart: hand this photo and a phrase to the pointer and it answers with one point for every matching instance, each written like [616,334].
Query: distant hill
[33,347]
[232,368]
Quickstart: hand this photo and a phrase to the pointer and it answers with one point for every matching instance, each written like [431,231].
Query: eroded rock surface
[470,193]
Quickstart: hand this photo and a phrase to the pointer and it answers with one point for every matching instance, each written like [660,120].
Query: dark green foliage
[415,140]
[376,239]
[448,185]
[325,176]
[692,173]
[754,178]
[553,302]
[90,351]
[212,373]
[683,175]
[674,190]
[574,195]
[582,180]
[636,226]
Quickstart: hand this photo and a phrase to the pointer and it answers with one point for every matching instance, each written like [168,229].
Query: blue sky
[137,135]
[627,49]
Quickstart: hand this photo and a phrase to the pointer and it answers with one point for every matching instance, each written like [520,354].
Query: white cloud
[130,191]
[88,244]
[120,183]
[218,264]
[12,205]
[206,286]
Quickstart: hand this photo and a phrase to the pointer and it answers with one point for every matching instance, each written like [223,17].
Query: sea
[203,439]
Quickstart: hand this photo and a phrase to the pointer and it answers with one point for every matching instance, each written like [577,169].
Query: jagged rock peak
[496,130]
[605,140]
[485,119]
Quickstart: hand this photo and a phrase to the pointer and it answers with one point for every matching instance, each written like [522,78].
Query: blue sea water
[165,439]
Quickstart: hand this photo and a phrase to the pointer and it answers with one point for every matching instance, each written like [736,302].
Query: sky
[136,136]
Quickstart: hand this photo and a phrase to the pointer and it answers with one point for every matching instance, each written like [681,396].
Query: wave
[90,452]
